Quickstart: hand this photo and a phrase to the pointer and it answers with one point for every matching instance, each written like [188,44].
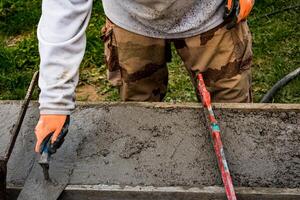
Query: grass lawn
[274,24]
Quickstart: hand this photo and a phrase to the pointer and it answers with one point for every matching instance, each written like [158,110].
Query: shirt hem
[187,34]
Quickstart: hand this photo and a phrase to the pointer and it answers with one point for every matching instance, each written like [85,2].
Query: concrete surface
[167,145]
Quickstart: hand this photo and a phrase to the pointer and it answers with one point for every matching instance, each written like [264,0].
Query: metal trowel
[39,185]
[47,149]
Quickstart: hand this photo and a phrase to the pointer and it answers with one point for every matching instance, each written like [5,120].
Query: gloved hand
[237,10]
[47,125]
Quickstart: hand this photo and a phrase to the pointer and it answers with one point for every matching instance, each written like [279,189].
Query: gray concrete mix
[159,145]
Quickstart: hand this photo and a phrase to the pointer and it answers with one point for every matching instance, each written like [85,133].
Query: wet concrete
[159,145]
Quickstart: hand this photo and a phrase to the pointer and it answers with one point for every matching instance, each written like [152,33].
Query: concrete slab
[166,145]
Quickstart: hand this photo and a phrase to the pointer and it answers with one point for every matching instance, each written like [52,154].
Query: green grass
[276,46]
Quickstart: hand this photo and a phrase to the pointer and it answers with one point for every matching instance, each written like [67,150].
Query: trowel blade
[37,188]
[45,168]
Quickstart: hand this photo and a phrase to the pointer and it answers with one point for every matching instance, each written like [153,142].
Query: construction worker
[211,36]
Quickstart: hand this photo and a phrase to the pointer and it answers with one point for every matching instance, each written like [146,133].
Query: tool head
[45,159]
[45,171]
[44,162]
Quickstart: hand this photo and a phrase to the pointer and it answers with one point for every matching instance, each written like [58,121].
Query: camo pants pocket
[111,54]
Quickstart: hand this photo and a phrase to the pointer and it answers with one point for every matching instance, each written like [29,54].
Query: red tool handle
[218,146]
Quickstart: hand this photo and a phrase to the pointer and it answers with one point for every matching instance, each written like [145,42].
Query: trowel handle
[61,137]
[46,144]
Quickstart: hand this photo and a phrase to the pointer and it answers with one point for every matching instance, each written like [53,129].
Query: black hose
[285,80]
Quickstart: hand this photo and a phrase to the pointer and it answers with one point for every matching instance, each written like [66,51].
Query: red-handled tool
[215,131]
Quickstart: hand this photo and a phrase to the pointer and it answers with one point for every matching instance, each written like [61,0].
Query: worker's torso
[165,18]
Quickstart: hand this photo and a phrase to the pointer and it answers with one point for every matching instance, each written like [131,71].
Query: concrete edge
[166,105]
[208,189]
[135,192]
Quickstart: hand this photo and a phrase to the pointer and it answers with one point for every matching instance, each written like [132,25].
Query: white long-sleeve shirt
[62,41]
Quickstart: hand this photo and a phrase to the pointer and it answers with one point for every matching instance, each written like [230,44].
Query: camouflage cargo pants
[137,64]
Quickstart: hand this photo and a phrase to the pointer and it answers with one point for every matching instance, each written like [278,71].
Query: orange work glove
[237,10]
[46,125]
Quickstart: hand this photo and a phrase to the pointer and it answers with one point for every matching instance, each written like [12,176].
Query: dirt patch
[14,40]
[87,92]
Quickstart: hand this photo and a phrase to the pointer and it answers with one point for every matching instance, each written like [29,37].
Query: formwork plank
[116,192]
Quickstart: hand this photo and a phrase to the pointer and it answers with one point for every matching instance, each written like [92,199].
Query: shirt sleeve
[62,42]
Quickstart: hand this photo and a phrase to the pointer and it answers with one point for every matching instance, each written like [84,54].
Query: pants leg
[138,66]
[224,57]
